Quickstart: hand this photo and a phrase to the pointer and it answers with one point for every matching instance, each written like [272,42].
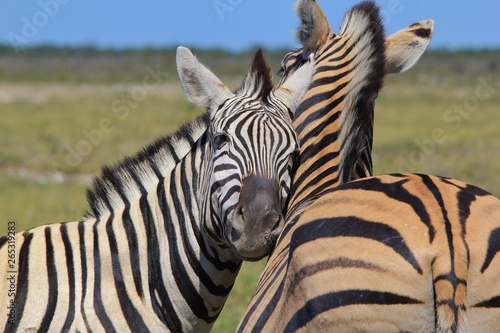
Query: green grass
[42,122]
[417,129]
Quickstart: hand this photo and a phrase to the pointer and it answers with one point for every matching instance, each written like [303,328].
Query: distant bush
[92,64]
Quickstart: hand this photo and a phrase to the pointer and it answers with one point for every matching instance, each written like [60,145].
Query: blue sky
[230,24]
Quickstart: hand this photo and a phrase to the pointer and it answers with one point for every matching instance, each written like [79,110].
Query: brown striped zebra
[390,253]
[169,227]
[341,99]
[394,253]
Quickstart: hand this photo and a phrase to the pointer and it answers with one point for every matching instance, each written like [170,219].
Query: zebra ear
[201,86]
[314,28]
[295,87]
[405,47]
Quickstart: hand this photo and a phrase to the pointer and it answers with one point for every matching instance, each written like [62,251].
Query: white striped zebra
[169,227]
[393,253]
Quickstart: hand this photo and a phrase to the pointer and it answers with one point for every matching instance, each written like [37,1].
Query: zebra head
[253,151]
[350,69]
[402,49]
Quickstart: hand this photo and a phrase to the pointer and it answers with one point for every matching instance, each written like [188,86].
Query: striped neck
[334,121]
[189,274]
[196,270]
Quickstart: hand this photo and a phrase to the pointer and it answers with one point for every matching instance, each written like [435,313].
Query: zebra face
[253,148]
[254,154]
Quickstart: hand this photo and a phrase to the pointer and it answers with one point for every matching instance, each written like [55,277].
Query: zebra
[168,228]
[344,89]
[391,253]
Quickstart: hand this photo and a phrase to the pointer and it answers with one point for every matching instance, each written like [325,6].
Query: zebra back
[390,253]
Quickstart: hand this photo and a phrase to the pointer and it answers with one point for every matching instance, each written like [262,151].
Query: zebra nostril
[235,235]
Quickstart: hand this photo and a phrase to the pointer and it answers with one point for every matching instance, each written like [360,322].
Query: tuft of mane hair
[131,178]
[259,80]
[363,25]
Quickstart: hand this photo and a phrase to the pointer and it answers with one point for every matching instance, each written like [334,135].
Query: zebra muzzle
[257,219]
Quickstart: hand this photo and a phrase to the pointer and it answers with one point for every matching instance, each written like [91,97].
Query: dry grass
[42,121]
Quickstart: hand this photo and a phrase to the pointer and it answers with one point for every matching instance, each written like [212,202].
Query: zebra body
[169,228]
[284,301]
[393,253]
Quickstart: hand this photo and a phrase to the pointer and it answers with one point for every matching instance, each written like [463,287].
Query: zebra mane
[362,25]
[259,79]
[129,179]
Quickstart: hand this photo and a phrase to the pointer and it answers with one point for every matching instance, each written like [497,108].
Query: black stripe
[222,182]
[352,226]
[156,169]
[132,316]
[133,246]
[190,189]
[397,192]
[422,32]
[3,241]
[22,282]
[493,249]
[98,301]
[465,197]
[176,245]
[313,150]
[70,269]
[451,276]
[165,146]
[139,184]
[313,100]
[165,310]
[491,303]
[329,50]
[225,167]
[52,279]
[303,183]
[334,300]
[245,123]
[210,254]
[83,258]
[325,186]
[448,227]
[326,265]
[328,80]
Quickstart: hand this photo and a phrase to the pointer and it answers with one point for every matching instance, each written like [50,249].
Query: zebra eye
[220,140]
[281,71]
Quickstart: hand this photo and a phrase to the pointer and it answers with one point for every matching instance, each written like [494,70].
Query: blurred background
[73,95]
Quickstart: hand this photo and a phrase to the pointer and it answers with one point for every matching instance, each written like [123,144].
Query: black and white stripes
[168,228]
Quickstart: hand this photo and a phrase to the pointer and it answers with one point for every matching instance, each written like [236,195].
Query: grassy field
[65,115]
